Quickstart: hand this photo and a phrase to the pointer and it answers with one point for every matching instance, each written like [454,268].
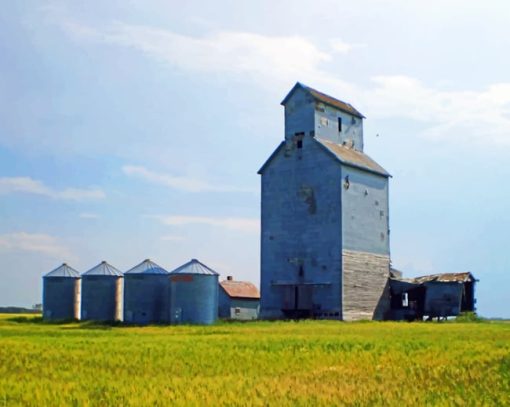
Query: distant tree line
[36,309]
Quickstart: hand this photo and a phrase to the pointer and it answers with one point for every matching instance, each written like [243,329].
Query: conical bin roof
[63,271]
[147,267]
[104,269]
[194,267]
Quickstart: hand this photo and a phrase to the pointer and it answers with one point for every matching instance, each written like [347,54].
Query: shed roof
[349,156]
[322,97]
[194,267]
[63,271]
[446,278]
[240,289]
[147,267]
[103,269]
[439,278]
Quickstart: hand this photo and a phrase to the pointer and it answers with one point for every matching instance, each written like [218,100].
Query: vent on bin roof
[63,271]
[147,267]
[103,269]
[194,267]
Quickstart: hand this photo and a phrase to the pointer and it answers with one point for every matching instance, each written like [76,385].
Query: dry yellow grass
[260,363]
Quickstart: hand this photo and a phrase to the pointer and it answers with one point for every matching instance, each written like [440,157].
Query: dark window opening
[299,144]
[301,271]
[340,124]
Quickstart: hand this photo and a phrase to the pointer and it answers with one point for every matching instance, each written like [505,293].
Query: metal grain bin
[146,294]
[101,293]
[61,294]
[193,294]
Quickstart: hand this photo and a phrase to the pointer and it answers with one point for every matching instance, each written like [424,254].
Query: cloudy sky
[134,129]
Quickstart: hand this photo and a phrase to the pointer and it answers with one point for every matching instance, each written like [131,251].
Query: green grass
[261,363]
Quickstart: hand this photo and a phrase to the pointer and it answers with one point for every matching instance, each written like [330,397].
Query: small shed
[238,300]
[146,294]
[61,294]
[101,293]
[436,295]
[193,294]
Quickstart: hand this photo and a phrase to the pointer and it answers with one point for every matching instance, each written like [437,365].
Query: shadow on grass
[66,322]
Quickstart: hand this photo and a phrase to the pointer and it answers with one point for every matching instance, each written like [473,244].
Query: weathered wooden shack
[325,249]
[432,296]
[238,300]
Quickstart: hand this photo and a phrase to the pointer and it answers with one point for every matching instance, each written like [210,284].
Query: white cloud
[182,183]
[342,47]
[35,243]
[10,185]
[265,59]
[249,225]
[478,116]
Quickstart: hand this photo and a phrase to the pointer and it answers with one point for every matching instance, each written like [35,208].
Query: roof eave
[275,152]
[286,98]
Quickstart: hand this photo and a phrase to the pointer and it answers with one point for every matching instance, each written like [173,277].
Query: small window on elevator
[298,138]
[339,124]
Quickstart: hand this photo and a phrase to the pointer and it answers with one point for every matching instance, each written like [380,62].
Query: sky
[135,129]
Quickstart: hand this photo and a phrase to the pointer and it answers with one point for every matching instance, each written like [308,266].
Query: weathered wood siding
[365,285]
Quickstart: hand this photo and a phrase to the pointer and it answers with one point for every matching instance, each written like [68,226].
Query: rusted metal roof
[322,97]
[240,289]
[445,278]
[352,157]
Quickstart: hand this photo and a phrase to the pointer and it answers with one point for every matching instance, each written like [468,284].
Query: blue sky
[133,129]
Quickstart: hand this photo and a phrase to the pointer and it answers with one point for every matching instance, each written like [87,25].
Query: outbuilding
[238,300]
[101,293]
[61,294]
[432,296]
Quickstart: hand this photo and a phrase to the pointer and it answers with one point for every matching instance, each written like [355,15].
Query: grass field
[261,363]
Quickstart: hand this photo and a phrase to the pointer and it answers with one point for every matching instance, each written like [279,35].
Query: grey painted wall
[299,114]
[301,227]
[237,308]
[304,114]
[365,207]
[326,126]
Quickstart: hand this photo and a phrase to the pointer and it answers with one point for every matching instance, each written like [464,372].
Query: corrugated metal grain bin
[146,294]
[101,293]
[193,294]
[61,294]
